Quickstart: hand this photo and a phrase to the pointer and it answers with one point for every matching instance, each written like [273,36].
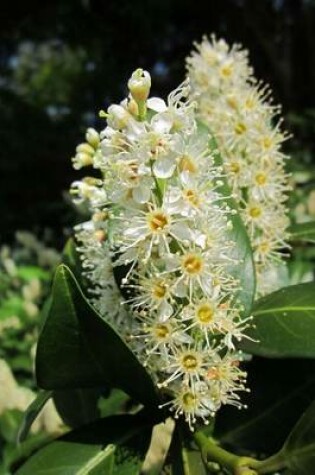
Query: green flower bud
[139,85]
[92,137]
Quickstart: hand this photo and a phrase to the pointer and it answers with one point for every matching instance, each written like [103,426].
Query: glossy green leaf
[77,407]
[16,454]
[298,451]
[303,232]
[115,445]
[78,349]
[244,270]
[32,412]
[280,390]
[71,258]
[284,323]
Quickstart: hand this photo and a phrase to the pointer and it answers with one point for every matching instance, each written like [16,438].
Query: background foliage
[60,62]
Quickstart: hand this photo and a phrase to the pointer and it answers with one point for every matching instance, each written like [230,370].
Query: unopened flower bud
[100,216]
[100,235]
[139,85]
[85,148]
[92,137]
[118,117]
[82,160]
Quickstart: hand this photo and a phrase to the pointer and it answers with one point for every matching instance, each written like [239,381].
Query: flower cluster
[239,113]
[157,248]
[161,230]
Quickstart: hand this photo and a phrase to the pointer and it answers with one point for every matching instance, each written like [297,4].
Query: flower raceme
[238,111]
[156,213]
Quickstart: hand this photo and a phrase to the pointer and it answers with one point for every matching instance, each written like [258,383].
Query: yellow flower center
[232,102]
[159,290]
[192,264]
[205,313]
[263,247]
[186,164]
[240,128]
[158,221]
[234,167]
[191,197]
[189,399]
[266,142]
[190,362]
[255,212]
[226,71]
[161,331]
[261,178]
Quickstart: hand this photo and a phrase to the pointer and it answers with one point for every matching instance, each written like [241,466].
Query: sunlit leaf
[284,323]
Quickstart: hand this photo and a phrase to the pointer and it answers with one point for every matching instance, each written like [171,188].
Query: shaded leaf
[115,403]
[90,450]
[71,258]
[10,421]
[77,407]
[78,349]
[32,412]
[299,449]
[303,232]
[280,391]
[284,323]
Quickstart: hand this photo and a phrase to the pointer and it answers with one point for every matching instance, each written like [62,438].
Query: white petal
[162,123]
[156,104]
[165,311]
[181,231]
[180,290]
[141,194]
[164,168]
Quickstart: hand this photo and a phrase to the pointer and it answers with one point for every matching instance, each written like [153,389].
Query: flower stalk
[237,465]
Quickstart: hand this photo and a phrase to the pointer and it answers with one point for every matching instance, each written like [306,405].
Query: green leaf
[77,406]
[14,455]
[10,421]
[32,412]
[280,390]
[284,323]
[78,349]
[303,232]
[115,403]
[71,258]
[114,445]
[244,271]
[299,449]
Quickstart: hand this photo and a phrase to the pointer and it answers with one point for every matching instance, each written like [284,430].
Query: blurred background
[63,61]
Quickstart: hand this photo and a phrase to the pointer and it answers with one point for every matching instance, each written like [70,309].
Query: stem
[272,464]
[237,465]
[142,110]
[210,449]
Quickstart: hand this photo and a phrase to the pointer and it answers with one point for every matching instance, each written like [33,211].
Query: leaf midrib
[283,309]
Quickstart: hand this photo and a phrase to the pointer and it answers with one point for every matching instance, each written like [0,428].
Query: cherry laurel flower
[158,218]
[241,116]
